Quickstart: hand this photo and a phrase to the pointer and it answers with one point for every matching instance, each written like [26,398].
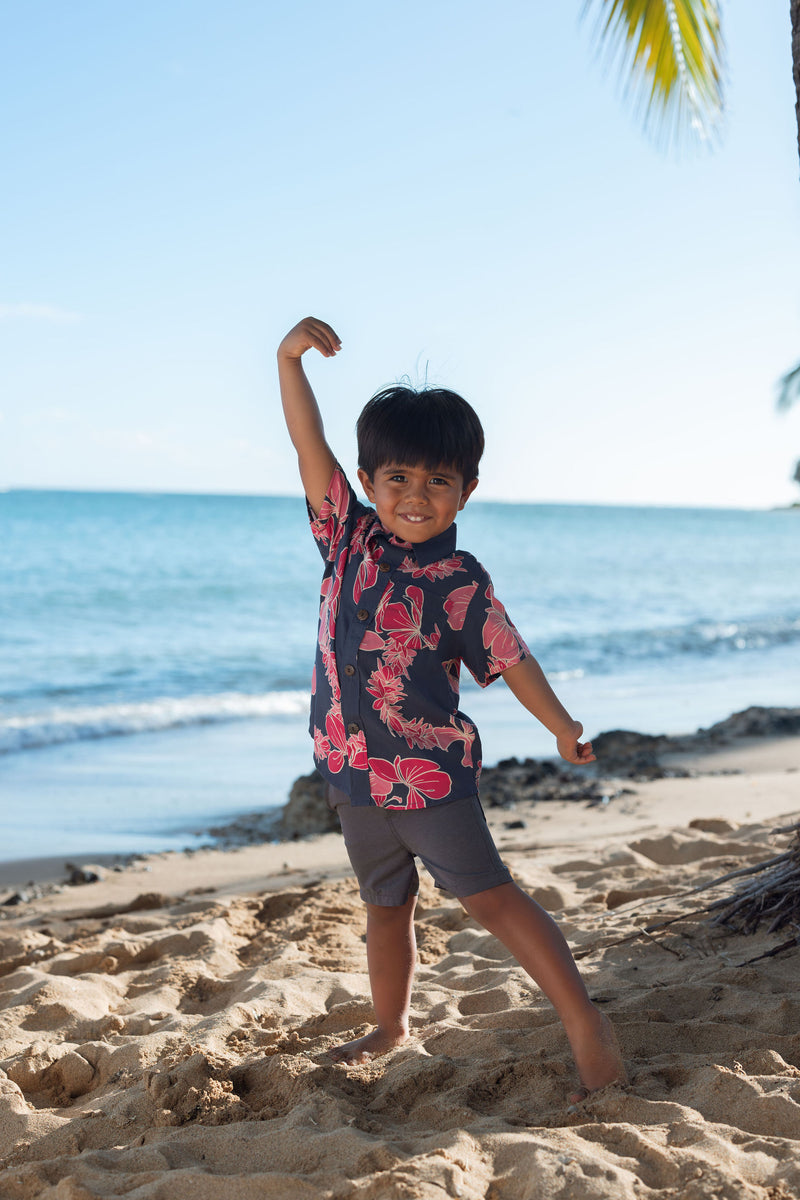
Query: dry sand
[164,1032]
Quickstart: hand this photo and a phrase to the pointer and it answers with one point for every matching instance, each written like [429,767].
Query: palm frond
[670,54]
[788,389]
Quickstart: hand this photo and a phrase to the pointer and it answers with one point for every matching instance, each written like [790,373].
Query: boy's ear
[469,488]
[366,483]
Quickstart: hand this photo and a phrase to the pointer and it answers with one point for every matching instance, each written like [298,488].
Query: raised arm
[303,419]
[528,683]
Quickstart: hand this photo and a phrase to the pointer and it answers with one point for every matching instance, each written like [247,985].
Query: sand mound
[179,1052]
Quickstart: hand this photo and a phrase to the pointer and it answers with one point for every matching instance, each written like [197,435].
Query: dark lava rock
[533,779]
[307,810]
[254,829]
[625,752]
[77,876]
[755,722]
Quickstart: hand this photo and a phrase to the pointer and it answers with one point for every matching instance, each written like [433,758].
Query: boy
[400,610]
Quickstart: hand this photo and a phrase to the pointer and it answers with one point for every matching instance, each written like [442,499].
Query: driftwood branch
[772,895]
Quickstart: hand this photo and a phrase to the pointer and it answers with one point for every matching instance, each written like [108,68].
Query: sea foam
[60,725]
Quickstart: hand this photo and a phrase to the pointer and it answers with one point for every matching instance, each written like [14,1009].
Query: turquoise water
[155,651]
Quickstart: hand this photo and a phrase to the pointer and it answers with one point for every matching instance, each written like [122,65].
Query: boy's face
[415,503]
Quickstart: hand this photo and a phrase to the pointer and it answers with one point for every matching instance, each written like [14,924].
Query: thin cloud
[27,311]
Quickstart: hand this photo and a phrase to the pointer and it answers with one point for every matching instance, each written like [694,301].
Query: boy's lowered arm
[303,418]
[529,684]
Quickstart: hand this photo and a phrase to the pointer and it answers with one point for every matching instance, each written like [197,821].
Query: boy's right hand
[573,751]
[310,333]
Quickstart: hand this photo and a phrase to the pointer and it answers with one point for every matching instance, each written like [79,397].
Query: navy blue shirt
[396,622]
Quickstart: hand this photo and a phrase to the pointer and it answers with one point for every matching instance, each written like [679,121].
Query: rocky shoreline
[622,755]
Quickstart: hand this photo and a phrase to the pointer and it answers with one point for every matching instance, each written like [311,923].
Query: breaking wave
[58,725]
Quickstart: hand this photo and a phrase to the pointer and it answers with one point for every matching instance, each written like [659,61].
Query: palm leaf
[789,389]
[670,55]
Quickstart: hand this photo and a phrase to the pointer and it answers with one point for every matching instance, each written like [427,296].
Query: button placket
[350,681]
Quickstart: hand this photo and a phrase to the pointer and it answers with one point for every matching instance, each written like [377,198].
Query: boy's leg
[538,945]
[385,870]
[391,958]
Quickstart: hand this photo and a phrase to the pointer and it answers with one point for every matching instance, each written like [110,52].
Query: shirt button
[349,669]
[353,727]
[384,567]
[362,614]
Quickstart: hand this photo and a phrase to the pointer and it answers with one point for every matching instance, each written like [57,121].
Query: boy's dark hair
[431,427]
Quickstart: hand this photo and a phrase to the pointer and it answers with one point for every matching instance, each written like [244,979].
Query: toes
[577,1098]
[352,1058]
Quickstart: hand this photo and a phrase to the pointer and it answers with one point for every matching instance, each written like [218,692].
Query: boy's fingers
[325,337]
[583,753]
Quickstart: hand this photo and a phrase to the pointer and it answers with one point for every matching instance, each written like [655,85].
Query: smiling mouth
[414,518]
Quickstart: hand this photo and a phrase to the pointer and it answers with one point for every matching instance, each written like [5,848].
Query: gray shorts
[452,840]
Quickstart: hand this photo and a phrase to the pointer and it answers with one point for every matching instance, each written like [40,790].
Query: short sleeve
[337,507]
[492,643]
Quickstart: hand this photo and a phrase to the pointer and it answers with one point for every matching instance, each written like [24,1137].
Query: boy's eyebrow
[445,472]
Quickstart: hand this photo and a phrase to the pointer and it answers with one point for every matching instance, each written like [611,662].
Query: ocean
[156,650]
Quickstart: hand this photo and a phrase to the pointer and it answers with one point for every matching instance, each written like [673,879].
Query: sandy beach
[164,1030]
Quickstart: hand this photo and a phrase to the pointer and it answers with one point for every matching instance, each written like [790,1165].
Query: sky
[463,193]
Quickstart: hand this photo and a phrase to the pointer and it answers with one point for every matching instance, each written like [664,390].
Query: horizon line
[158,492]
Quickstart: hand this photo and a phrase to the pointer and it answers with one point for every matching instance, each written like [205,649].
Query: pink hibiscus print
[500,637]
[330,592]
[323,530]
[419,734]
[337,754]
[386,685]
[321,745]
[399,656]
[457,603]
[362,525]
[367,576]
[437,570]
[328,527]
[452,669]
[404,624]
[357,751]
[457,731]
[424,780]
[372,641]
[496,666]
[329,663]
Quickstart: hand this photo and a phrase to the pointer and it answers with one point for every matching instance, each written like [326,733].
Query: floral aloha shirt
[396,622]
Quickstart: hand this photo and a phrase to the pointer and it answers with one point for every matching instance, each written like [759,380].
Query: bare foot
[597,1057]
[372,1045]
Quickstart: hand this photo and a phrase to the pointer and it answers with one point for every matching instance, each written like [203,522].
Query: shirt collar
[425,553]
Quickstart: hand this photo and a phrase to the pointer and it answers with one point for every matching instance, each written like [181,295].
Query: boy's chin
[416,537]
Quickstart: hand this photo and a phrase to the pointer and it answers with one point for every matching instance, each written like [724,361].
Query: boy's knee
[481,905]
[388,913]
